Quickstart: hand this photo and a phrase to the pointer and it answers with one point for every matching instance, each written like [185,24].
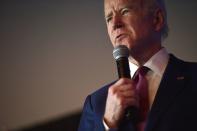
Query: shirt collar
[157,63]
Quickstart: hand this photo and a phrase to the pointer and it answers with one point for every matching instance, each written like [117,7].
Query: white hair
[152,5]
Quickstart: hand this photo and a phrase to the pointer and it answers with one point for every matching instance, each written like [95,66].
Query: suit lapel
[172,83]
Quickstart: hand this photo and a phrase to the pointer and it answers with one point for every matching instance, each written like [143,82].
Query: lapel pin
[180,78]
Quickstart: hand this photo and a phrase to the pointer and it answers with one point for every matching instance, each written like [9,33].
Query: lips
[117,37]
[120,37]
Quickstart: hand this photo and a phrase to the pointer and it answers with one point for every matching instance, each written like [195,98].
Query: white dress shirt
[157,65]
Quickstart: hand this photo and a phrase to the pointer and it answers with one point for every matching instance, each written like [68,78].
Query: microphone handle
[124,72]
[123,68]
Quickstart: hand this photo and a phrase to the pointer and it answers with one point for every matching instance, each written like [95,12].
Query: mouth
[120,37]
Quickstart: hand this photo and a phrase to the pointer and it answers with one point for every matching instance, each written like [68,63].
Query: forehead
[117,4]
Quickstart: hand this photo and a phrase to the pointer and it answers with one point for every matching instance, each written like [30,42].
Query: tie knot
[141,71]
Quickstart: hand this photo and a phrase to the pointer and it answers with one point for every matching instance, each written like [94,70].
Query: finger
[122,87]
[130,102]
[122,81]
[122,98]
[129,93]
[125,90]
[126,87]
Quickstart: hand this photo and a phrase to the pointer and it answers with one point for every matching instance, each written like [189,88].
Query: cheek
[145,30]
[138,29]
[132,26]
[110,34]
[132,30]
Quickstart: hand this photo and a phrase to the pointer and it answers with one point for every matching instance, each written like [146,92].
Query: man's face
[128,23]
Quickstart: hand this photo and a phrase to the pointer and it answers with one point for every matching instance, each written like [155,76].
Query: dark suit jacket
[174,107]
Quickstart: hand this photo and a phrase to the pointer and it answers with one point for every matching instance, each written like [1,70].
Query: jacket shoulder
[184,64]
[187,68]
[98,98]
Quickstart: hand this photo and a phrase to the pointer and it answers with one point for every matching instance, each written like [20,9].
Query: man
[141,25]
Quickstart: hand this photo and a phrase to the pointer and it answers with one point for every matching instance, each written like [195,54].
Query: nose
[117,22]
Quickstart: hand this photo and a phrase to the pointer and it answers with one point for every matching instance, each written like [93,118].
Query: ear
[158,19]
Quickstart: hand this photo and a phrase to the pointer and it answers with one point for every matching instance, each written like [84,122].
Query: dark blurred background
[53,53]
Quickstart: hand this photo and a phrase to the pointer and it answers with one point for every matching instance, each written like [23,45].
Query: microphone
[121,54]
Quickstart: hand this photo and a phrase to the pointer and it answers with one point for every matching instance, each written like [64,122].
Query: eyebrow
[126,6]
[109,14]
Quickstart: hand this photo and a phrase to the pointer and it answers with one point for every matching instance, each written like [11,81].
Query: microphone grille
[120,51]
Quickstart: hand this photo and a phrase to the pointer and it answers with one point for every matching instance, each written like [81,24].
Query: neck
[143,54]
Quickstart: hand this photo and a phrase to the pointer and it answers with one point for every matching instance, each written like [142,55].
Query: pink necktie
[142,90]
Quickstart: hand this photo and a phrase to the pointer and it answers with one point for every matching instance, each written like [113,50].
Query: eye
[108,19]
[124,11]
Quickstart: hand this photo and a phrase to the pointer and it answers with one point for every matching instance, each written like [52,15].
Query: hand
[120,96]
